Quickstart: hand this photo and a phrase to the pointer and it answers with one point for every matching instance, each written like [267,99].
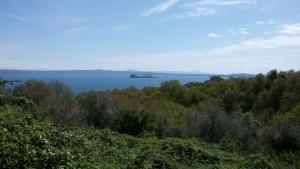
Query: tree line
[250,115]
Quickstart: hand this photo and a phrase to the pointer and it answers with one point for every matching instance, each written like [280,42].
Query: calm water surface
[82,83]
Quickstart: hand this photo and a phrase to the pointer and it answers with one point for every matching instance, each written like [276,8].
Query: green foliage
[150,158]
[215,79]
[55,100]
[247,116]
[16,101]
[289,137]
[3,83]
[97,105]
[26,142]
[189,153]
[63,109]
[174,91]
[229,143]
[210,124]
[244,129]
[276,91]
[106,149]
[237,132]
[38,91]
[257,161]
[293,159]
[136,122]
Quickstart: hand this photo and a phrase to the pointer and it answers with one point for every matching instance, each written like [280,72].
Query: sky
[211,36]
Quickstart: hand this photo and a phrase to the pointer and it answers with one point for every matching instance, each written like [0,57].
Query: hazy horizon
[209,36]
[145,71]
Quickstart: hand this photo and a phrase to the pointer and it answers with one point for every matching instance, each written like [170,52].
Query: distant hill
[113,72]
[241,75]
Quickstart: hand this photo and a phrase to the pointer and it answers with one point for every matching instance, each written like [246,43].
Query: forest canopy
[247,116]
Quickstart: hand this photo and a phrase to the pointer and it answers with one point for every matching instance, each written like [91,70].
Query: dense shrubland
[236,123]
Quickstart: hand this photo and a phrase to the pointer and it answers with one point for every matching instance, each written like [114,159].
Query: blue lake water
[82,83]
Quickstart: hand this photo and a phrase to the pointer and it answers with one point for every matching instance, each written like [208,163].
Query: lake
[81,83]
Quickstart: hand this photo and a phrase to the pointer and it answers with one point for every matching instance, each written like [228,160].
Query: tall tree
[97,104]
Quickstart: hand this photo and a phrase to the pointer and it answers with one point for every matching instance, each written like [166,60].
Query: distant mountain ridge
[116,72]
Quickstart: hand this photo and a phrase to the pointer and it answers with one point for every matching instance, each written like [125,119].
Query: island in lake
[142,76]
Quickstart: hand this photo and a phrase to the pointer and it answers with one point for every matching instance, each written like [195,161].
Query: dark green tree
[37,91]
[174,91]
[97,104]
[215,79]
[136,122]
[210,124]
[63,109]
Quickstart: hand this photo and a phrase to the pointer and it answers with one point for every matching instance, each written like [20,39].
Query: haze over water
[82,83]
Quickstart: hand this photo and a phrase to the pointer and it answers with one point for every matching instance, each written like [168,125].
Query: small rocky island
[142,76]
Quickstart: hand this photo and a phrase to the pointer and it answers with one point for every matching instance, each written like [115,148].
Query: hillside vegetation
[234,123]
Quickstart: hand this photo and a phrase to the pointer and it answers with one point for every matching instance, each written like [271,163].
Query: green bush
[257,162]
[136,122]
[27,142]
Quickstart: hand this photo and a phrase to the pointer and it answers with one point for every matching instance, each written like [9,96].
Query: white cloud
[214,35]
[290,29]
[123,27]
[251,56]
[258,44]
[220,2]
[75,31]
[248,62]
[243,31]
[289,36]
[196,12]
[160,8]
[270,21]
[237,32]
[9,15]
[206,7]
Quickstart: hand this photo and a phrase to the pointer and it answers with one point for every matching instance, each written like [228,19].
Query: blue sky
[215,36]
